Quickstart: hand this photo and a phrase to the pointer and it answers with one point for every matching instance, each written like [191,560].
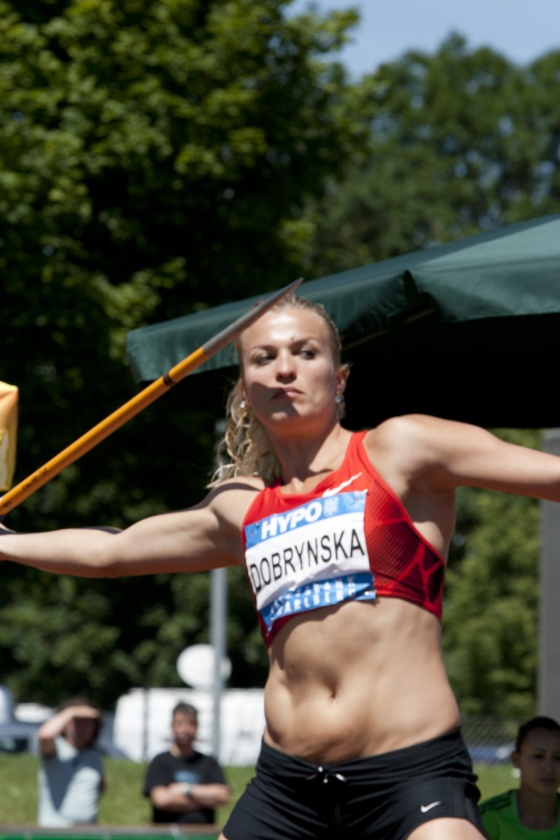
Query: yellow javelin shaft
[135,405]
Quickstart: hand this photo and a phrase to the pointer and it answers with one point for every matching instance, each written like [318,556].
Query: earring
[242,404]
[338,399]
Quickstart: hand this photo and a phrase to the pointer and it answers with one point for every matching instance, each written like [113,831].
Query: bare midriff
[357,680]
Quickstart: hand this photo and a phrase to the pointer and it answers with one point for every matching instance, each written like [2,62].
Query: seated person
[184,785]
[533,810]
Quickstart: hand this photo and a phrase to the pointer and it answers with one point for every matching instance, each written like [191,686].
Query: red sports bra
[349,539]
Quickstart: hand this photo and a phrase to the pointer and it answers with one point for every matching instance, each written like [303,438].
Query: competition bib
[311,556]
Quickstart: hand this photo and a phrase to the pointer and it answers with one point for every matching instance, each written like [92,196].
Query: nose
[285,368]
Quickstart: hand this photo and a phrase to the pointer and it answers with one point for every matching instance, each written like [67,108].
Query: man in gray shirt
[71,773]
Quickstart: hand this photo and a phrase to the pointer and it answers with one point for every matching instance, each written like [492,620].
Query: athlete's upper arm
[448,454]
[200,538]
[197,539]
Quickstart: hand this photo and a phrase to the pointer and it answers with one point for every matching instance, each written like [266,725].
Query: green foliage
[490,612]
[121,804]
[151,154]
[161,157]
[462,141]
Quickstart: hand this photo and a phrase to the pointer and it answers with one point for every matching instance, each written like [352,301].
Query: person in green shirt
[532,812]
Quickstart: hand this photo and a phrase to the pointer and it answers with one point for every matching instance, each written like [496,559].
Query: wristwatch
[187,788]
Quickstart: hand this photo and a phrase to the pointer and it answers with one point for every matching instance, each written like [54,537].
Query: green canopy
[468,330]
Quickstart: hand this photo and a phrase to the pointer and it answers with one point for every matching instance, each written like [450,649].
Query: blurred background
[159,157]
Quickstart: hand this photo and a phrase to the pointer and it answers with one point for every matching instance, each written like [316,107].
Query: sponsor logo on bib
[311,556]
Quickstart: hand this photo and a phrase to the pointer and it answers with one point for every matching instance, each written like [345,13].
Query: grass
[123,803]
[495,778]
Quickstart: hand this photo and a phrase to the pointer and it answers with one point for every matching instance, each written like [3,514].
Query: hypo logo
[303,515]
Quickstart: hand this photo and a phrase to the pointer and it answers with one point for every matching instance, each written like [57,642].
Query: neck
[181,750]
[303,458]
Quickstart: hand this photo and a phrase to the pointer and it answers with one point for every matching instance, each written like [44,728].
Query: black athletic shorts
[384,797]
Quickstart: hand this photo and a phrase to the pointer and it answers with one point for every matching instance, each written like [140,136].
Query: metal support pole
[218,610]
[549,598]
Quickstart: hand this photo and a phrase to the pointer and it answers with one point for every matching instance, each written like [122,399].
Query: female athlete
[344,537]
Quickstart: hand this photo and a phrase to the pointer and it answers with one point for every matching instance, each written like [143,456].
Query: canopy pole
[548,683]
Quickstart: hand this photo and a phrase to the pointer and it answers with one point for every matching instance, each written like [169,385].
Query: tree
[491,604]
[151,158]
[159,158]
[462,142]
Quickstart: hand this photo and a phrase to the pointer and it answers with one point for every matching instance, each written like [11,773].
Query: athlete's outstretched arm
[200,538]
[448,454]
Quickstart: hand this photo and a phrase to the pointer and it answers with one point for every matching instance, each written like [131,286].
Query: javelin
[134,406]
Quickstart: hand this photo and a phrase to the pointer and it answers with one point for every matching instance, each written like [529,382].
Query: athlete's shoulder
[404,435]
[229,501]
[402,425]
[233,491]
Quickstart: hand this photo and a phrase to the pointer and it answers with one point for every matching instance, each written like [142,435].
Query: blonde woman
[344,537]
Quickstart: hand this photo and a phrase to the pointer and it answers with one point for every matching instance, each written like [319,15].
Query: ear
[515,759]
[341,379]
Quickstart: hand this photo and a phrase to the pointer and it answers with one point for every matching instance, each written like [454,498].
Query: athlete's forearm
[184,541]
[78,552]
[193,540]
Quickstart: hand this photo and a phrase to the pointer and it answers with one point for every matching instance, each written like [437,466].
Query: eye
[261,359]
[308,352]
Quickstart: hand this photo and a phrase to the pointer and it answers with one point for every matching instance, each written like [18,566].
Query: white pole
[218,614]
[549,598]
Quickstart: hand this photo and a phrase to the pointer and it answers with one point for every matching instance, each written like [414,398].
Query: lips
[285,392]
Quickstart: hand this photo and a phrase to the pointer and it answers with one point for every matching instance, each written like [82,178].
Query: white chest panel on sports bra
[311,556]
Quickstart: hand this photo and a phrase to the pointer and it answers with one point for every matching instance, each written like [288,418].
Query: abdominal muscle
[357,680]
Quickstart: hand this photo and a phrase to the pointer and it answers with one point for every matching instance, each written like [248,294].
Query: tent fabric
[481,315]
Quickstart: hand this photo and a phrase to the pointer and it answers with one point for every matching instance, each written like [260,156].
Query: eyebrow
[295,342]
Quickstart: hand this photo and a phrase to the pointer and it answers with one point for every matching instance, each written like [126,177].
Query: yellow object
[8,433]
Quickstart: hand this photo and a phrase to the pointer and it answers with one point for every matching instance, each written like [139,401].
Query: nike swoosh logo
[333,490]
[429,807]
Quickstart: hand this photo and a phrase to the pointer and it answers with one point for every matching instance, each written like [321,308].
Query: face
[288,368]
[184,727]
[80,732]
[538,761]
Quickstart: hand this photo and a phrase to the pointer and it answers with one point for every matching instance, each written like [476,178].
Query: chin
[282,415]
